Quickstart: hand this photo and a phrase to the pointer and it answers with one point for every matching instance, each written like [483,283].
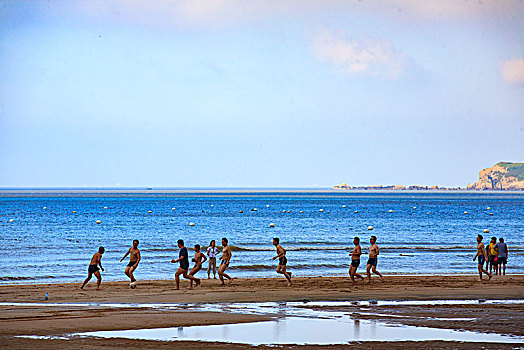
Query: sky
[233,93]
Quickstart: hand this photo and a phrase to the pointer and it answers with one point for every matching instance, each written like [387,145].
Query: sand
[42,320]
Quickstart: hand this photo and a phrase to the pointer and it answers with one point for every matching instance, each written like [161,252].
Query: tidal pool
[300,330]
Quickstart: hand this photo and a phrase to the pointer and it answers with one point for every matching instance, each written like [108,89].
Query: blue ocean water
[56,245]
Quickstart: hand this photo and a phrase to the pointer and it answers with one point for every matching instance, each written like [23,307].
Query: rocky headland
[503,176]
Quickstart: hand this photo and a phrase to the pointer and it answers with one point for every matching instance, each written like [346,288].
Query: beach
[71,310]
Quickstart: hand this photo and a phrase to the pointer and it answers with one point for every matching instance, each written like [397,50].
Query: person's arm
[476,254]
[229,255]
[177,260]
[100,262]
[138,260]
[484,253]
[205,258]
[125,255]
[378,251]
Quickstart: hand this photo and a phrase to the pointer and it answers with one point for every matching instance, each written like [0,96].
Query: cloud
[513,71]
[372,57]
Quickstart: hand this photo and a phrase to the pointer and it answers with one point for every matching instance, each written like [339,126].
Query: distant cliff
[501,176]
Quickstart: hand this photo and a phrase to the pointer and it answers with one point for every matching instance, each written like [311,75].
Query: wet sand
[55,321]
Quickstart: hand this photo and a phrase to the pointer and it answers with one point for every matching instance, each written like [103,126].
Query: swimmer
[198,262]
[373,258]
[96,260]
[183,258]
[355,261]
[134,259]
[482,257]
[282,260]
[492,255]
[224,261]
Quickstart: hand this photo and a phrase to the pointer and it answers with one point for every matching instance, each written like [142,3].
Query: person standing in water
[503,255]
[373,258]
[355,261]
[212,252]
[183,258]
[282,260]
[134,259]
[224,261]
[482,257]
[96,260]
[198,262]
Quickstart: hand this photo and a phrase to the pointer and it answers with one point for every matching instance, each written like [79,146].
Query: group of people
[183,260]
[495,256]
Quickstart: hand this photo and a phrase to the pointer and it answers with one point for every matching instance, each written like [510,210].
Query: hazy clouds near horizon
[258,93]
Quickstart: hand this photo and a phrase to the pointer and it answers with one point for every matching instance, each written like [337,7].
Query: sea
[50,236]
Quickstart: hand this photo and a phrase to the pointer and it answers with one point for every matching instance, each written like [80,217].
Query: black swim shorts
[131,263]
[372,262]
[355,263]
[503,260]
[282,261]
[93,269]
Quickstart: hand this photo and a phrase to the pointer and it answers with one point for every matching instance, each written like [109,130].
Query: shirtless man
[183,258]
[282,260]
[134,259]
[224,261]
[355,261]
[482,256]
[198,262]
[373,258]
[93,268]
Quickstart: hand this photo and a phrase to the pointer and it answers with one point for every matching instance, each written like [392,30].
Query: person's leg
[374,269]
[127,272]
[480,271]
[286,274]
[221,273]
[89,275]
[504,269]
[209,268]
[177,277]
[131,270]
[352,274]
[214,268]
[99,280]
[368,272]
[191,278]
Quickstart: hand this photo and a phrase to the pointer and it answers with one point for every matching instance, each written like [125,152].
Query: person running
[198,262]
[93,268]
[282,260]
[502,249]
[224,261]
[134,259]
[373,259]
[212,252]
[183,258]
[492,255]
[355,261]
[482,257]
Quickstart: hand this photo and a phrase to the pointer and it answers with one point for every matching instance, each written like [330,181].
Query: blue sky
[260,93]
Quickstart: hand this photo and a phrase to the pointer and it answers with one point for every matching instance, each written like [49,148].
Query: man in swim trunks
[282,260]
[212,252]
[502,248]
[482,256]
[198,262]
[134,259]
[183,258]
[93,268]
[373,259]
[224,261]
[492,255]
[355,260]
